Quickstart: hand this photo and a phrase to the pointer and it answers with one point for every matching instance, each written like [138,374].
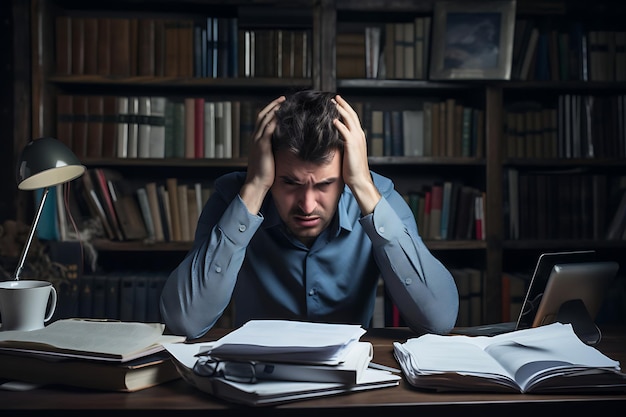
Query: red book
[107,201]
[479,217]
[395,316]
[190,126]
[435,211]
[428,199]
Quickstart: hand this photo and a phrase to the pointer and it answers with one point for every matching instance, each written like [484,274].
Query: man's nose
[307,201]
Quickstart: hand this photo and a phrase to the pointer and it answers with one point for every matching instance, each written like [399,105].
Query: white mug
[26,304]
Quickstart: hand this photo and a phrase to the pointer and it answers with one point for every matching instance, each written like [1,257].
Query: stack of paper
[289,341]
[544,359]
[288,360]
[108,355]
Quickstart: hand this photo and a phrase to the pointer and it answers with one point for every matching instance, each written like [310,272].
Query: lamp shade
[46,162]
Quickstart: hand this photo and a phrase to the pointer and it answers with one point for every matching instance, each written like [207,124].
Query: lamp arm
[31,234]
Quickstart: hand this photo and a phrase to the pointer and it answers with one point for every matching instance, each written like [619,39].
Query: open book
[100,340]
[546,359]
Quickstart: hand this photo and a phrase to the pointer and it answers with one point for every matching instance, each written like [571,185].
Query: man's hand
[260,175]
[356,171]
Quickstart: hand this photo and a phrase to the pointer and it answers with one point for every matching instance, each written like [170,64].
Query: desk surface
[180,399]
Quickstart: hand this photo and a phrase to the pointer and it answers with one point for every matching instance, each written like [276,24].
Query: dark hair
[305,126]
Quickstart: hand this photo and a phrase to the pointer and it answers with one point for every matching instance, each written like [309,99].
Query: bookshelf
[331,26]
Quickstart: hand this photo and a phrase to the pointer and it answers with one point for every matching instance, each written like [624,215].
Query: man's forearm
[200,288]
[422,288]
[252,197]
[367,196]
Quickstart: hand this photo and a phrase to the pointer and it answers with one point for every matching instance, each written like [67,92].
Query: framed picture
[472,40]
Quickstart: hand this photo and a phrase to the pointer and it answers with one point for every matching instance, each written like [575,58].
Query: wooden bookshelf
[324,20]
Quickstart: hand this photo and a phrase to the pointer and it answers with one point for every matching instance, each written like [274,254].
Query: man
[306,232]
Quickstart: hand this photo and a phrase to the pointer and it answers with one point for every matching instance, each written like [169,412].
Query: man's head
[308,161]
[305,126]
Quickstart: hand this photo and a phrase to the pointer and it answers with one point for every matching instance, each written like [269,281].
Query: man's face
[306,194]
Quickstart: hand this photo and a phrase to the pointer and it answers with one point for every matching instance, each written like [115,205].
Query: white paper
[286,340]
[264,392]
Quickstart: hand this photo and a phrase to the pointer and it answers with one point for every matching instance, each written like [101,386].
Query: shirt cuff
[383,224]
[238,223]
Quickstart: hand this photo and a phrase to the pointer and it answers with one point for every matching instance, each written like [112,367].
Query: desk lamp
[44,163]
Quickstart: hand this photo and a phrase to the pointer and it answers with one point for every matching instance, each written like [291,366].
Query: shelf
[134,246]
[425,160]
[236,83]
[564,244]
[565,162]
[374,84]
[243,162]
[168,162]
[455,244]
[569,86]
[105,245]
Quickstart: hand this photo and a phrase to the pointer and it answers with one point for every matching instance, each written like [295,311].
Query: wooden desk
[180,399]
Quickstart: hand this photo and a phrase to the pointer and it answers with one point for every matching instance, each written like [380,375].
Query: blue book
[445,209]
[48,226]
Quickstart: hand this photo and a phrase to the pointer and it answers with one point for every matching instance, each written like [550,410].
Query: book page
[535,353]
[541,359]
[436,354]
[96,338]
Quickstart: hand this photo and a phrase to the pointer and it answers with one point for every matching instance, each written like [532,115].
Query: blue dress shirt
[269,274]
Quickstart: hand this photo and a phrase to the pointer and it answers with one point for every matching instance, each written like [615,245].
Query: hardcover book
[127,377]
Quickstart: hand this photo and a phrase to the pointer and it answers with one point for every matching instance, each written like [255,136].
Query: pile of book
[95,354]
[545,359]
[266,362]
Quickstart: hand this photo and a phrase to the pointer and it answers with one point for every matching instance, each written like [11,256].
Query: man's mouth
[307,221]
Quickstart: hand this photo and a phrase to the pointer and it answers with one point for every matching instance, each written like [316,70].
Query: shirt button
[381,230]
[311,292]
[218,269]
[408,281]
[242,227]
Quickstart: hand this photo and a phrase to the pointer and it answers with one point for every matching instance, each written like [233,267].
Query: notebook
[534,294]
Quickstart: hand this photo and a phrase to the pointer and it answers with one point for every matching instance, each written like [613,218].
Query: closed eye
[324,185]
[290,181]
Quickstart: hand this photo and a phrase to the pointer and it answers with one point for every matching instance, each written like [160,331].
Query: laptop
[574,294]
[534,293]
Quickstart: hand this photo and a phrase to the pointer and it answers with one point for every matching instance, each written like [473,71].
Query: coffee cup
[26,304]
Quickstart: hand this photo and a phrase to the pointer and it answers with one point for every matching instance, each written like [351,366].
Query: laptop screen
[539,280]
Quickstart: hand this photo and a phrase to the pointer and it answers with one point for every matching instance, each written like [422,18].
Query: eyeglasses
[235,371]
